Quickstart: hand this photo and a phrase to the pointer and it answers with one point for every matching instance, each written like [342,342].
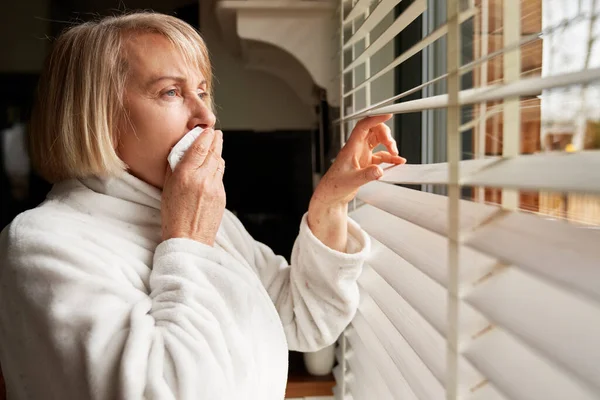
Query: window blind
[474,296]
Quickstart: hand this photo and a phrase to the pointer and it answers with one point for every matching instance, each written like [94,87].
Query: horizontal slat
[422,248]
[423,209]
[353,388]
[565,253]
[357,391]
[337,394]
[428,343]
[339,378]
[536,244]
[433,173]
[367,382]
[425,295]
[562,326]
[360,7]
[368,371]
[440,32]
[411,106]
[428,40]
[523,87]
[377,15]
[408,16]
[338,374]
[487,392]
[392,99]
[552,171]
[379,329]
[385,366]
[519,373]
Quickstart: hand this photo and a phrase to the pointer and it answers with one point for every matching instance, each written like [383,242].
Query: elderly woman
[131,280]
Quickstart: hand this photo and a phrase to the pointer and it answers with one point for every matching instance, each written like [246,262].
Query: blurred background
[274,141]
[277,95]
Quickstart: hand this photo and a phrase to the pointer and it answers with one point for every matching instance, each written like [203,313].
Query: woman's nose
[201,115]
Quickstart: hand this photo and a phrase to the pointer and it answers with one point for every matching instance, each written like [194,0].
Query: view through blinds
[493,290]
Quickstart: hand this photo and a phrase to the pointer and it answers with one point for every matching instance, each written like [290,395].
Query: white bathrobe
[94,306]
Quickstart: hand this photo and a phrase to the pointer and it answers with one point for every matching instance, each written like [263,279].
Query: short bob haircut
[79,106]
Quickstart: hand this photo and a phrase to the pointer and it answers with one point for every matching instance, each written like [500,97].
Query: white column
[367,66]
[453,51]
[511,132]
[343,383]
[342,89]
[482,130]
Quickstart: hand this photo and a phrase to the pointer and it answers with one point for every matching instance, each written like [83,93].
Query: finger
[362,128]
[385,157]
[216,164]
[212,161]
[366,175]
[214,154]
[218,143]
[168,173]
[383,134]
[195,156]
[220,170]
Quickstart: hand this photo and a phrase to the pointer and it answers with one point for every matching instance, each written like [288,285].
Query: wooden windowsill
[302,384]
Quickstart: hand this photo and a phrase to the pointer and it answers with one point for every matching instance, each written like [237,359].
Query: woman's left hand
[356,164]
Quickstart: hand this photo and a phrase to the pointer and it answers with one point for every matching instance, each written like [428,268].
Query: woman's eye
[171,93]
[203,95]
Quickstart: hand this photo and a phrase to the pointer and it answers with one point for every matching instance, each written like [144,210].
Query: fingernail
[377,173]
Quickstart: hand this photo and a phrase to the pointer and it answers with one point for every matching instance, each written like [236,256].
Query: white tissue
[181,147]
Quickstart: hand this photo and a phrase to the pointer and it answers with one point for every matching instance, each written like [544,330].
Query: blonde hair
[74,125]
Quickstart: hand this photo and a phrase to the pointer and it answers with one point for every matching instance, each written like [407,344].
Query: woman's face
[164,100]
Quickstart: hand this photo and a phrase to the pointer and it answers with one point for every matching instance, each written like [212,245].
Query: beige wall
[250,99]
[23,42]
[246,100]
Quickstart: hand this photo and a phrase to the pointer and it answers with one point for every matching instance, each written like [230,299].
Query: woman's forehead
[152,55]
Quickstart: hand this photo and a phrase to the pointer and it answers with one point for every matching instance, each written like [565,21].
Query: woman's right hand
[193,198]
